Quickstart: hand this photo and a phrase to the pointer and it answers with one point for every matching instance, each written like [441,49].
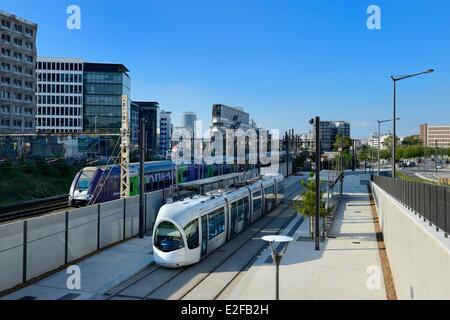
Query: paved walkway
[342,268]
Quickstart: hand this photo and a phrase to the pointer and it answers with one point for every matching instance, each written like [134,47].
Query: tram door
[246,212]
[204,235]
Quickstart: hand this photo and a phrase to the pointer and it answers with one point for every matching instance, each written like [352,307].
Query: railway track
[156,282]
[33,208]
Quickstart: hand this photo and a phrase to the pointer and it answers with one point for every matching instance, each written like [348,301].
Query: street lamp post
[394,133]
[379,141]
[277,256]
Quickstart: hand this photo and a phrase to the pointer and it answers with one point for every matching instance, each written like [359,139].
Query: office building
[165,132]
[17,74]
[435,135]
[188,121]
[59,95]
[103,87]
[150,112]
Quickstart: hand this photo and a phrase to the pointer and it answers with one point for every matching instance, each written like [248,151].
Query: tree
[307,204]
[388,142]
[411,140]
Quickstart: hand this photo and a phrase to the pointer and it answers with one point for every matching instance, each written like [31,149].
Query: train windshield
[84,180]
[168,237]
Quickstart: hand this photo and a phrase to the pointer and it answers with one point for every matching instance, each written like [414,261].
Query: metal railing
[430,202]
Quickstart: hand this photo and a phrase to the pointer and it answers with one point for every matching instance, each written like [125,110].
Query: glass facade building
[103,86]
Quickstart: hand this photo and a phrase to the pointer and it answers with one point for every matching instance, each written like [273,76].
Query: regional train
[93,185]
[186,231]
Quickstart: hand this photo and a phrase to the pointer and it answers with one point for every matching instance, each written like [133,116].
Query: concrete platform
[342,268]
[99,273]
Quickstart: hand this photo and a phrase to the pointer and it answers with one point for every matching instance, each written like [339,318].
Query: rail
[32,208]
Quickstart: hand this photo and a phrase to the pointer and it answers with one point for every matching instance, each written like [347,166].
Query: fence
[334,193]
[428,201]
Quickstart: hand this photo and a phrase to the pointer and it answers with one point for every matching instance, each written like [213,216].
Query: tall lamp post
[379,140]
[395,79]
[316,122]
[277,256]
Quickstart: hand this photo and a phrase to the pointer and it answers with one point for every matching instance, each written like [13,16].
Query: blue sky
[283,61]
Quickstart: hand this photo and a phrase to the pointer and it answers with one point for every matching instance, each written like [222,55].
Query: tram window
[216,223]
[257,200]
[168,237]
[241,210]
[192,234]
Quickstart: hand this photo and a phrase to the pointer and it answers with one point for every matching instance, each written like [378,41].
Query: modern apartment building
[225,117]
[435,135]
[329,130]
[165,125]
[59,95]
[17,74]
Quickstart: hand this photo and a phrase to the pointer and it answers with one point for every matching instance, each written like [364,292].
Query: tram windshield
[168,237]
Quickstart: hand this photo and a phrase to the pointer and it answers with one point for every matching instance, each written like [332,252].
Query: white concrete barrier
[418,254]
[45,244]
[11,254]
[132,217]
[82,232]
[111,222]
[153,201]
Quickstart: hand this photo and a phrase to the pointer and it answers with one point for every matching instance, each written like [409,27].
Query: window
[168,237]
[6,52]
[6,38]
[256,201]
[28,32]
[17,28]
[6,24]
[192,234]
[216,220]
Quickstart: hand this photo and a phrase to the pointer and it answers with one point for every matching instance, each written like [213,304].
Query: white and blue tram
[188,230]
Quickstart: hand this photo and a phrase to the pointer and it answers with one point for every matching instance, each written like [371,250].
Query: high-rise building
[103,87]
[165,132]
[329,130]
[17,74]
[188,121]
[59,95]
[150,112]
[435,135]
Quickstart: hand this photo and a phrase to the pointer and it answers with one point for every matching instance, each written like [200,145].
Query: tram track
[156,282]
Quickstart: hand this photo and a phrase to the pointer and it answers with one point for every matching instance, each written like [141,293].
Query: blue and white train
[186,231]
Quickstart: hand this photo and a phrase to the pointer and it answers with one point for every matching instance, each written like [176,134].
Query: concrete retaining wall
[418,254]
[11,254]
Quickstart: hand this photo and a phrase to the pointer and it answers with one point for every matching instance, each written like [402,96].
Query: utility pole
[125,150]
[141,179]
[287,154]
[435,156]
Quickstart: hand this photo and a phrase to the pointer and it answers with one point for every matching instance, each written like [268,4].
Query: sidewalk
[99,273]
[340,270]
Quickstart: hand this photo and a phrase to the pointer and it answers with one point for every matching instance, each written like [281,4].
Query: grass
[415,179]
[28,183]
